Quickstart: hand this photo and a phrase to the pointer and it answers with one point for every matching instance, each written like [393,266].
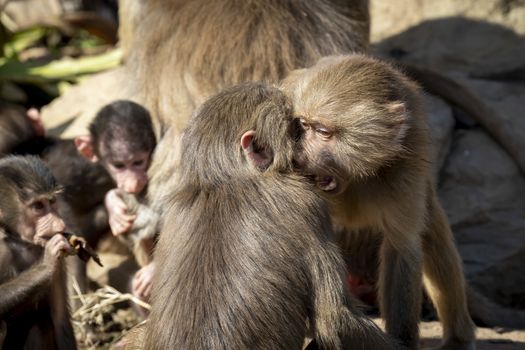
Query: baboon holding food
[245,256]
[33,297]
[366,144]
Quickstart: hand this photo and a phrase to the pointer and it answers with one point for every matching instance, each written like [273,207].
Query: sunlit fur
[357,97]
[379,154]
[191,49]
[180,52]
[245,256]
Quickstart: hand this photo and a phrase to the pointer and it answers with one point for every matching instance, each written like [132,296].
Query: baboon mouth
[326,183]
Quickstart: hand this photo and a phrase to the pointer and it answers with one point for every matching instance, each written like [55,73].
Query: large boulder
[483,193]
[70,114]
[441,124]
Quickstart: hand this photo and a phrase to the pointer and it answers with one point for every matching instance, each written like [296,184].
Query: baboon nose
[59,226]
[133,186]
[296,129]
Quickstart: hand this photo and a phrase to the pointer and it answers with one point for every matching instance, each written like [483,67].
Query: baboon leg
[445,282]
[400,285]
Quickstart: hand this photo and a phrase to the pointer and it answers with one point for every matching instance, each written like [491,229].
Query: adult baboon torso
[190,50]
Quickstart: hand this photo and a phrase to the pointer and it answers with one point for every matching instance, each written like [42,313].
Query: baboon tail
[460,95]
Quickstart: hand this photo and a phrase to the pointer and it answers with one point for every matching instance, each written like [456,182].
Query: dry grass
[104,317]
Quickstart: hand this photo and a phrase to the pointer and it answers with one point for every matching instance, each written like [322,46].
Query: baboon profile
[366,144]
[235,269]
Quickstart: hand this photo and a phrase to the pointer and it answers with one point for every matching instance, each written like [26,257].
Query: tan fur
[130,12]
[235,270]
[145,227]
[191,49]
[379,156]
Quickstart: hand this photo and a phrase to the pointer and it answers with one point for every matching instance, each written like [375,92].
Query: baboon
[84,183]
[366,145]
[121,139]
[17,126]
[33,297]
[234,269]
[190,50]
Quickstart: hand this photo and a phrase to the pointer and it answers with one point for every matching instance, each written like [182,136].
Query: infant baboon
[121,139]
[365,142]
[245,256]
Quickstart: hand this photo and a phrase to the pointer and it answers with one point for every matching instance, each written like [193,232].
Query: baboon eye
[324,132]
[37,206]
[52,200]
[119,165]
[138,162]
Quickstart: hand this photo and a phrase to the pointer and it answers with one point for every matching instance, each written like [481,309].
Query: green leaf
[22,40]
[62,69]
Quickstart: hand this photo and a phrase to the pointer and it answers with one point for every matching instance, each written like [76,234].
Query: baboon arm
[60,313]
[23,289]
[337,323]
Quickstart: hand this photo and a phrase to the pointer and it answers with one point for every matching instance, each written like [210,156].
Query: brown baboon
[190,50]
[84,183]
[121,139]
[235,269]
[366,145]
[33,297]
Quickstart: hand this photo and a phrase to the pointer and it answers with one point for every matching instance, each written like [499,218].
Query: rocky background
[479,167]
[482,45]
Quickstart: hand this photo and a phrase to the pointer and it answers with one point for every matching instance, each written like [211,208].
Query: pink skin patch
[361,289]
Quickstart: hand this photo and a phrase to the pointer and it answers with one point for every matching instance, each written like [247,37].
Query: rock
[394,16]
[70,114]
[458,45]
[441,124]
[25,14]
[483,193]
[508,124]
[504,282]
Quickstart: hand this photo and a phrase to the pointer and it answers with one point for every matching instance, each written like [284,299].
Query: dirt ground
[116,268]
[488,338]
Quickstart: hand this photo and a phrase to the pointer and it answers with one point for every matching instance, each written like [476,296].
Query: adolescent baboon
[245,256]
[366,145]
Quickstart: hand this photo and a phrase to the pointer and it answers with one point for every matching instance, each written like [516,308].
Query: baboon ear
[84,146]
[257,156]
[400,119]
[36,121]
